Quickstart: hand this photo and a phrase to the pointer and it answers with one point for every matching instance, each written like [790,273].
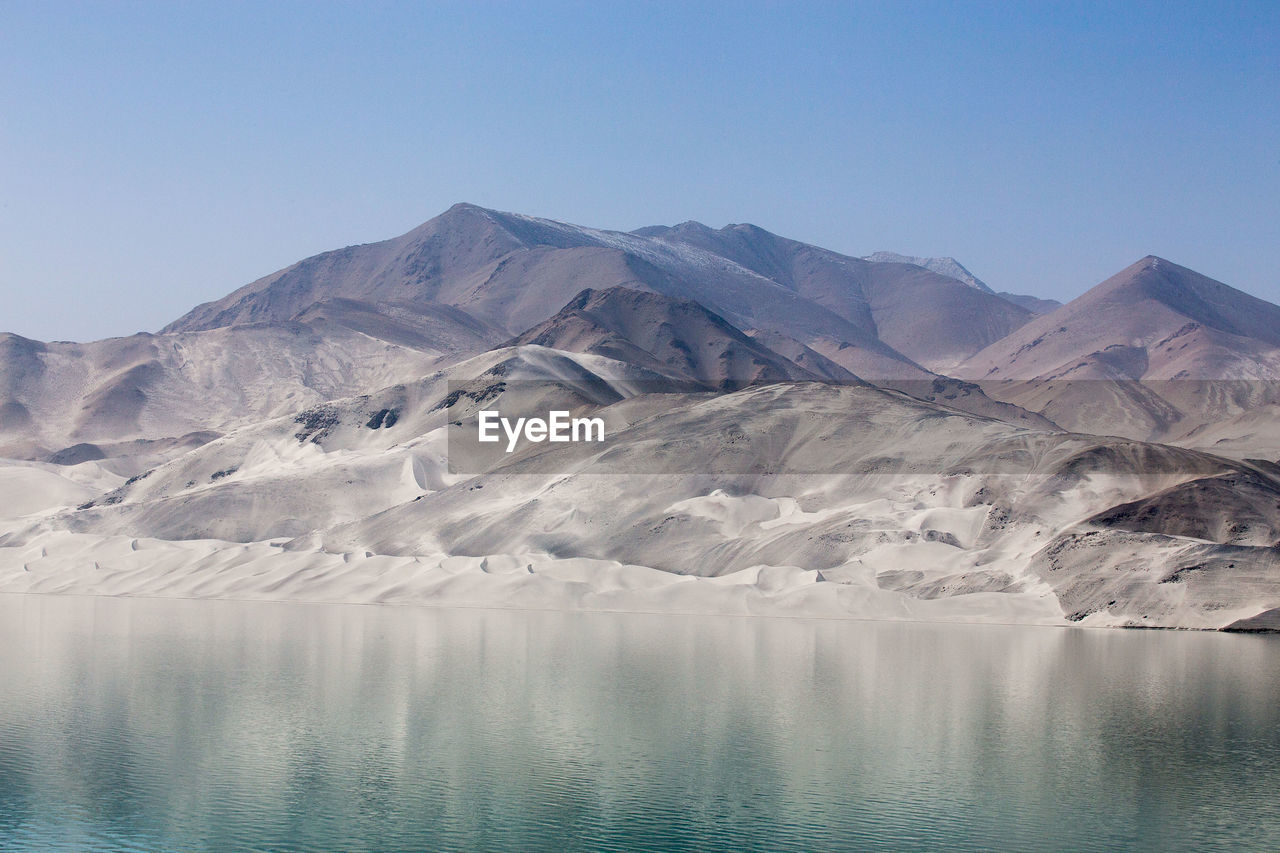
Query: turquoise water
[184,725]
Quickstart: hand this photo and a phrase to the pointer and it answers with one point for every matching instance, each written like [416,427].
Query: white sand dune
[86,564]
[793,498]
[32,488]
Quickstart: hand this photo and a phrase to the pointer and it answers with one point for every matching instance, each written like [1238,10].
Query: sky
[158,155]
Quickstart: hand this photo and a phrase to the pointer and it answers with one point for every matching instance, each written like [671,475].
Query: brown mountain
[675,337]
[682,339]
[934,319]
[1153,320]
[1155,351]
[510,271]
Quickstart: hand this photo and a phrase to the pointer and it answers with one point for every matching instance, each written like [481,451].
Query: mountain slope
[677,337]
[1157,352]
[949,267]
[933,319]
[937,321]
[314,435]
[123,395]
[1034,304]
[680,338]
[1152,320]
[794,497]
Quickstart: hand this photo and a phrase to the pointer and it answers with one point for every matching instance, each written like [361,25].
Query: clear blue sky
[153,156]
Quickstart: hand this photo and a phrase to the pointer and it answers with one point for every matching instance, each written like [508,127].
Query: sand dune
[790,498]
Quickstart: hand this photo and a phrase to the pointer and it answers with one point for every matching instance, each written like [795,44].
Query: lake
[217,725]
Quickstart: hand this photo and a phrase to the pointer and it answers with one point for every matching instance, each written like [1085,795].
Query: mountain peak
[1147,263]
[1159,277]
[1148,309]
[465,209]
[947,266]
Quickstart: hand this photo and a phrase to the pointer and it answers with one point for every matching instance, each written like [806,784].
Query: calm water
[175,725]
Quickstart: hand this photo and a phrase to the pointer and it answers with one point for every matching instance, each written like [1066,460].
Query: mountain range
[789,429]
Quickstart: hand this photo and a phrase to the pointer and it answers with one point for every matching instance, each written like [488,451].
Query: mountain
[511,271]
[807,358]
[457,285]
[935,320]
[674,337]
[949,267]
[932,319]
[133,397]
[314,435]
[337,460]
[1034,304]
[683,340]
[1155,351]
[1152,320]
[424,326]
[785,498]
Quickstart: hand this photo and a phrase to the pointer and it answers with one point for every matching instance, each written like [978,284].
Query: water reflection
[129,724]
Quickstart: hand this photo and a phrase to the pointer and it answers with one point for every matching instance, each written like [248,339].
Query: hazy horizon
[159,157]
